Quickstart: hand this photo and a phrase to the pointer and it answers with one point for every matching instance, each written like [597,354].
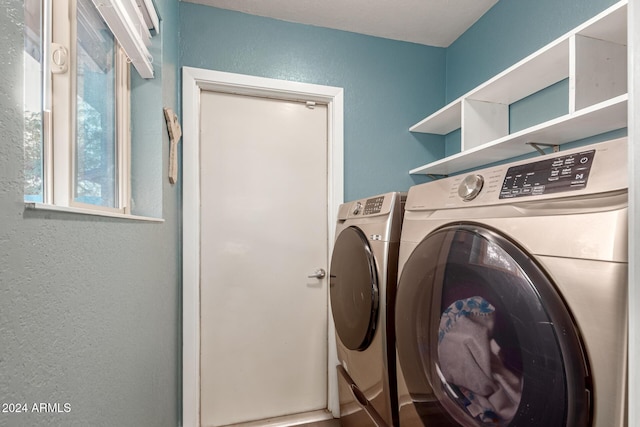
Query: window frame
[59,130]
[58,117]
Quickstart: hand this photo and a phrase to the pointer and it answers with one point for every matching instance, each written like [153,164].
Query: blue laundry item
[469,359]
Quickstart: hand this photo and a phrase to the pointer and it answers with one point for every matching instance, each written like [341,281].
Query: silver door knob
[318,274]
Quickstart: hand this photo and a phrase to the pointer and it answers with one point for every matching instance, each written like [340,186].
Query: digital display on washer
[564,173]
[373,206]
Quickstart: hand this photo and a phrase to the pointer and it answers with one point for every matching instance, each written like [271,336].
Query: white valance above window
[131,22]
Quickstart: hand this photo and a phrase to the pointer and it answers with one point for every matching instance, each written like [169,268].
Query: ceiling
[429,22]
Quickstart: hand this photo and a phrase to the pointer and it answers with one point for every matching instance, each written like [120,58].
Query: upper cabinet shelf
[593,57]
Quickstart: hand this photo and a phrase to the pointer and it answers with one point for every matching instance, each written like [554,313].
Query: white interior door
[263,230]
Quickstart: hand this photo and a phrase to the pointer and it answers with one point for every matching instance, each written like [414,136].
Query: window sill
[81,211]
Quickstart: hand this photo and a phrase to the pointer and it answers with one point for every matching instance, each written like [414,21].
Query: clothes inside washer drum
[470,362]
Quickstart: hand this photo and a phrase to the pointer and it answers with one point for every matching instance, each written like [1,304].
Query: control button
[373,206]
[470,187]
[357,208]
[538,190]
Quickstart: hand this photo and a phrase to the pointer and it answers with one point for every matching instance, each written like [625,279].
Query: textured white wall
[89,307]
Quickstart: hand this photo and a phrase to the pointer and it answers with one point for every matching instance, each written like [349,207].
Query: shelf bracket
[537,146]
[437,176]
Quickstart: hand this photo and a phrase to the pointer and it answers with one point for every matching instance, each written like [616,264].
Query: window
[76,100]
[33,144]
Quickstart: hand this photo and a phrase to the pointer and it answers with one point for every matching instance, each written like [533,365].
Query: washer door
[354,289]
[484,338]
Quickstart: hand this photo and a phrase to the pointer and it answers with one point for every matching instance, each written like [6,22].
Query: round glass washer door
[484,338]
[353,288]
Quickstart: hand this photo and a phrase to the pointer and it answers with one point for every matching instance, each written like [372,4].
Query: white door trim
[194,80]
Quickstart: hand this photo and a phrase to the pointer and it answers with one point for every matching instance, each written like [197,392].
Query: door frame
[194,81]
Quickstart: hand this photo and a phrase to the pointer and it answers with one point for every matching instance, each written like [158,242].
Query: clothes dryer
[512,294]
[363,279]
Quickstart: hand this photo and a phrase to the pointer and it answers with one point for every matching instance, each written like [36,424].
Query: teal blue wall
[388,85]
[89,306]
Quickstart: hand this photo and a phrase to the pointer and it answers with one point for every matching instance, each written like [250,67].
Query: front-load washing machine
[363,277]
[511,300]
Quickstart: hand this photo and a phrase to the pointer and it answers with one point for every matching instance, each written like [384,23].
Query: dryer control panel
[563,173]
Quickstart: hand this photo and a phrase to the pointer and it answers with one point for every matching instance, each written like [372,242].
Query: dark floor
[328,423]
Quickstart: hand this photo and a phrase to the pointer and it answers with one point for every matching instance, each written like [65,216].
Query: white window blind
[149,14]
[130,21]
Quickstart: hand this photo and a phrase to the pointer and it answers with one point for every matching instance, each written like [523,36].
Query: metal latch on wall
[59,58]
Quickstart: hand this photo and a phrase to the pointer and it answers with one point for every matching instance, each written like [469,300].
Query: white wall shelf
[592,56]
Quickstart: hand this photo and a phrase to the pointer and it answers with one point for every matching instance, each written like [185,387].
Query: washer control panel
[564,173]
[373,206]
[584,171]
